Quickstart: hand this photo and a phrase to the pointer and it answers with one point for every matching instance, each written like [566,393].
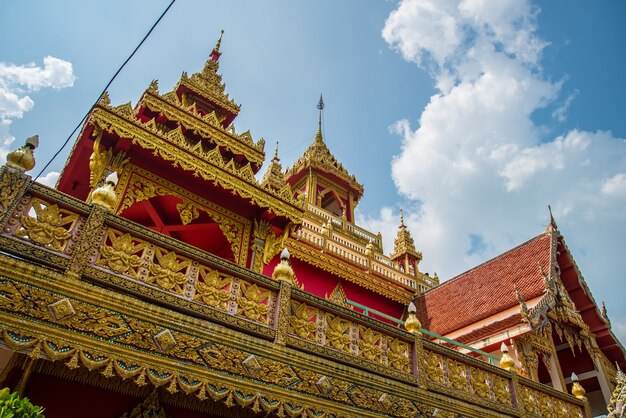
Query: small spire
[276,159]
[402,225]
[215,54]
[320,106]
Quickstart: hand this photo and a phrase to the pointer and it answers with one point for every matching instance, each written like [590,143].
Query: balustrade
[53,229]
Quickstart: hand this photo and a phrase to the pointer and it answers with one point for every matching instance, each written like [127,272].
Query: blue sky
[471,118]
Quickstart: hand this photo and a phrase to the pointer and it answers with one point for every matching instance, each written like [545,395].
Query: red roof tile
[486,289]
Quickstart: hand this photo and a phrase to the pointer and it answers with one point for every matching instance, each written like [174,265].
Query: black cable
[56,154]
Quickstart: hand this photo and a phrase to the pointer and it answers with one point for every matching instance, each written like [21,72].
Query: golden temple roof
[318,156]
[404,243]
[274,177]
[208,83]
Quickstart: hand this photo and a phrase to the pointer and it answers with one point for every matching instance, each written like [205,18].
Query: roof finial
[276,154]
[215,54]
[402,225]
[552,225]
[320,106]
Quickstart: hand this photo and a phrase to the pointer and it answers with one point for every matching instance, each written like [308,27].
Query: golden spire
[318,156]
[274,177]
[215,54]
[404,243]
[318,136]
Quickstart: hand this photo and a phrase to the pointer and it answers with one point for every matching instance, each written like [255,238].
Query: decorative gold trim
[348,272]
[209,165]
[206,126]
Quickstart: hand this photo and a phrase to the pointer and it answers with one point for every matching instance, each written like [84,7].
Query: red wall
[322,283]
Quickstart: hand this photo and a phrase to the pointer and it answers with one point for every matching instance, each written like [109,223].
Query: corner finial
[552,225]
[215,54]
[23,159]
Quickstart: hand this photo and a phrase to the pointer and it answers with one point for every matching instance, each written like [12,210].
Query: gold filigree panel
[43,223]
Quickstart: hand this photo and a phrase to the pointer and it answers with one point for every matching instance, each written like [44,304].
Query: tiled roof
[486,289]
[491,329]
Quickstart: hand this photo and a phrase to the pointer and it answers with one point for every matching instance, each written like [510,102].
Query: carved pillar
[516,389]
[261,229]
[13,184]
[282,313]
[602,375]
[90,234]
[418,361]
[556,374]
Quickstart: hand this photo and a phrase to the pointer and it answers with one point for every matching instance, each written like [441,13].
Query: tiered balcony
[85,287]
[348,242]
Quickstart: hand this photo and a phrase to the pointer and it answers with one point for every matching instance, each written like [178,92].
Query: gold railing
[353,252]
[66,235]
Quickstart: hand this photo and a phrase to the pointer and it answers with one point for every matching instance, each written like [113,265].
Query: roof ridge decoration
[404,243]
[617,404]
[317,155]
[191,118]
[209,83]
[273,177]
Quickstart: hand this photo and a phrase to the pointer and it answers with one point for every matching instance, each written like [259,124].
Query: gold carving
[369,344]
[121,256]
[304,320]
[457,375]
[166,271]
[212,289]
[143,186]
[337,332]
[501,390]
[165,340]
[251,365]
[254,302]
[398,355]
[433,366]
[480,382]
[61,309]
[240,181]
[50,228]
[188,212]
[98,159]
[206,126]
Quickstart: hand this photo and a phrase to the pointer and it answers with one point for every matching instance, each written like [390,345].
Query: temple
[161,278]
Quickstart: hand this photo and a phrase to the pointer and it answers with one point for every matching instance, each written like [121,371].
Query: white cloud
[17,81]
[560,113]
[50,179]
[477,165]
[615,186]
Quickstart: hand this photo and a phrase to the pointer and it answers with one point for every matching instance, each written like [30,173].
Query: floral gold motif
[121,256]
[61,309]
[212,288]
[337,332]
[167,273]
[254,302]
[369,344]
[433,366]
[50,228]
[303,321]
